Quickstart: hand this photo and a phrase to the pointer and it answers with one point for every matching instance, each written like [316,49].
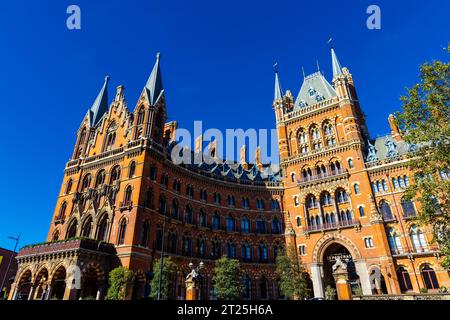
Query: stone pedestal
[342,286]
[191,290]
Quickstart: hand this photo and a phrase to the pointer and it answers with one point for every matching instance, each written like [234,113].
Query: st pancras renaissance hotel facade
[338,200]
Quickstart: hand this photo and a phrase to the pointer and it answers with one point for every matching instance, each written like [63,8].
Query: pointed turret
[278,92]
[100,105]
[337,68]
[154,87]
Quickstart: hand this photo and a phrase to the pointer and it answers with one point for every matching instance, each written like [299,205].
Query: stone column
[48,292]
[361,270]
[30,295]
[316,277]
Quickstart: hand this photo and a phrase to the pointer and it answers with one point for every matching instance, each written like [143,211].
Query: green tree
[293,276]
[168,268]
[118,281]
[227,279]
[424,122]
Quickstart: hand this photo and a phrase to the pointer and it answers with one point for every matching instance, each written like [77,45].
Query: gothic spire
[278,92]
[154,86]
[337,69]
[100,105]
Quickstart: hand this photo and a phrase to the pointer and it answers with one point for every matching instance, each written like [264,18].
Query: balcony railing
[333,225]
[418,250]
[323,175]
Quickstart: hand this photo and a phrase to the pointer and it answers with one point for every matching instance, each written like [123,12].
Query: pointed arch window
[386,212]
[202,219]
[394,242]
[231,225]
[201,247]
[122,232]
[188,215]
[263,252]
[276,226]
[246,252]
[144,234]
[110,137]
[418,239]
[175,209]
[162,204]
[72,230]
[69,186]
[231,249]
[62,212]
[408,208]
[429,277]
[245,225]
[127,196]
[87,228]
[102,229]
[404,279]
[216,221]
[132,169]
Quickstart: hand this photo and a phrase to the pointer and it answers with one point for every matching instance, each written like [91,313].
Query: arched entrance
[59,283]
[23,286]
[92,282]
[333,253]
[41,283]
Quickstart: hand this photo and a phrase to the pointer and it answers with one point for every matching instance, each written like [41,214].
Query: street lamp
[10,260]
[191,279]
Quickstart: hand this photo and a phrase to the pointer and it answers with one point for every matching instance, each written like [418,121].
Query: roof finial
[107,78]
[330,42]
[278,92]
[318,66]
[303,70]
[158,55]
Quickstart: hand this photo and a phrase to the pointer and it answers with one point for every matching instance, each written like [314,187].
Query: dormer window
[312,92]
[319,98]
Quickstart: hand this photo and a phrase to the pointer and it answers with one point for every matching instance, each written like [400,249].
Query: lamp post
[191,288]
[10,260]
[161,260]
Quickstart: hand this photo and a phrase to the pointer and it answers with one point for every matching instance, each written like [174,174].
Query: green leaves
[425,122]
[119,278]
[227,279]
[293,277]
[168,268]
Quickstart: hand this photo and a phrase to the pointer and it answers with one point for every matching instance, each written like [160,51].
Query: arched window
[115,175]
[216,221]
[404,280]
[72,230]
[188,215]
[215,248]
[87,228]
[429,277]
[386,212]
[69,186]
[263,253]
[162,204]
[187,245]
[276,226]
[122,232]
[62,212]
[202,218]
[144,234]
[356,187]
[231,249]
[231,226]
[260,226]
[127,196]
[110,137]
[175,209]
[350,163]
[394,242]
[341,196]
[408,208]
[201,247]
[299,222]
[102,229]
[246,252]
[55,236]
[311,202]
[149,198]
[132,169]
[326,199]
[245,225]
[361,211]
[418,239]
[80,143]
[86,183]
[172,246]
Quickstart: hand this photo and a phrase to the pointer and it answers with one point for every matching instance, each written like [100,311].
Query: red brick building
[339,194]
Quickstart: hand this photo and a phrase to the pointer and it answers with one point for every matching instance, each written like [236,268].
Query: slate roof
[315,88]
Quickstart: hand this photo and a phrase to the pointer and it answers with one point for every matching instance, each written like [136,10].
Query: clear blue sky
[217,59]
